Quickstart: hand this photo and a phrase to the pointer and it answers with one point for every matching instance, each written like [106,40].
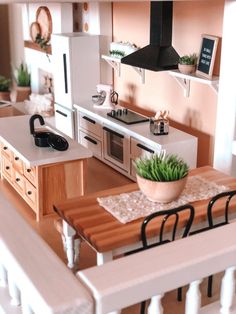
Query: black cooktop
[127,116]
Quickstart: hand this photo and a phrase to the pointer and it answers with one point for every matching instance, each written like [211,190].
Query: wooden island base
[42,186]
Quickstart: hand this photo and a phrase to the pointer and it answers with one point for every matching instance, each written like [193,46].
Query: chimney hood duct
[159,55]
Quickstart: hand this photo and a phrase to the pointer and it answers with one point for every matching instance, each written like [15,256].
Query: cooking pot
[45,138]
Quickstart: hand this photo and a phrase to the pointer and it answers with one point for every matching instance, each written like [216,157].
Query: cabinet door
[61,58]
[64,120]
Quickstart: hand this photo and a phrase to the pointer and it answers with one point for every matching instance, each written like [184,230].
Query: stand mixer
[107,98]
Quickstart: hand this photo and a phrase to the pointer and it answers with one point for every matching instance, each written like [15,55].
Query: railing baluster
[193,298]
[13,291]
[3,276]
[155,306]
[227,290]
[25,308]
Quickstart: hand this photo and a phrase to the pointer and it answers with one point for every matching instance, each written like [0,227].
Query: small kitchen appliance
[127,116]
[46,139]
[106,98]
[159,125]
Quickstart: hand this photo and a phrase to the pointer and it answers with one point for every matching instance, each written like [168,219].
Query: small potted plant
[4,88]
[161,177]
[22,78]
[187,63]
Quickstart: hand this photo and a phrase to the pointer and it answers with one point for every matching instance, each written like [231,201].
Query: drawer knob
[28,170]
[5,147]
[16,158]
[7,167]
[17,179]
[29,192]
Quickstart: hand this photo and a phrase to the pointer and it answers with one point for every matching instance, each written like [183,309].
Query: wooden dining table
[84,218]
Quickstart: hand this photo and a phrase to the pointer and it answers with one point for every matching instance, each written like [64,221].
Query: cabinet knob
[28,170]
[17,179]
[16,158]
[7,167]
[5,147]
[29,192]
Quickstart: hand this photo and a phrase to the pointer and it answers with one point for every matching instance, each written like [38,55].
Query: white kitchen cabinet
[136,140]
[64,120]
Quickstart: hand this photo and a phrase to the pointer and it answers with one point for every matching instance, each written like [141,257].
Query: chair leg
[142,308]
[179,294]
[209,286]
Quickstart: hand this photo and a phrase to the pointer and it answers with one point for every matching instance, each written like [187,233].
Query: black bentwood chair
[214,221]
[163,227]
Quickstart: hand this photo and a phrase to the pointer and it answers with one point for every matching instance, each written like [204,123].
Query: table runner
[126,207]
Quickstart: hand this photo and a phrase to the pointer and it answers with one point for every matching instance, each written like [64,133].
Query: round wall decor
[34,30]
[44,19]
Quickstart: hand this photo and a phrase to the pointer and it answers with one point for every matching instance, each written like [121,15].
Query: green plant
[22,75]
[4,84]
[43,43]
[117,53]
[188,59]
[161,167]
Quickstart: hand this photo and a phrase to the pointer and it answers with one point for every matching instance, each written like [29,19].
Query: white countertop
[140,130]
[15,132]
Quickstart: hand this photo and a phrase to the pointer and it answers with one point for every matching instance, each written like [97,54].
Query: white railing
[152,273]
[34,280]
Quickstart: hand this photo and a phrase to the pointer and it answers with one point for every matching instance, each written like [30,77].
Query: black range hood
[159,55]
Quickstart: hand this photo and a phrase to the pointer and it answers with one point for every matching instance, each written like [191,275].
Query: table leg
[70,243]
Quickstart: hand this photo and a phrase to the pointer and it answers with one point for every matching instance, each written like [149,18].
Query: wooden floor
[100,177]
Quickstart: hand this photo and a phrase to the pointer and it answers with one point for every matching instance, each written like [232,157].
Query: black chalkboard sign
[207,55]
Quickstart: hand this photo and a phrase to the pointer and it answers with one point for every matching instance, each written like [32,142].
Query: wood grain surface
[103,232]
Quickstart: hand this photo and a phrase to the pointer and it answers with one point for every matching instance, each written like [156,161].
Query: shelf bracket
[185,84]
[141,73]
[215,87]
[115,64]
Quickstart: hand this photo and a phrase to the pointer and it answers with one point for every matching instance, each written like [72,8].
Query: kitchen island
[41,175]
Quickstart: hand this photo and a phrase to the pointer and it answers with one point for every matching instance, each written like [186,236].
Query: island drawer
[30,194]
[91,143]
[17,163]
[6,167]
[6,151]
[18,181]
[90,124]
[30,174]
[140,149]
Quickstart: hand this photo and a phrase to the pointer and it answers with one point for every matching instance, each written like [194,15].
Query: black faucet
[31,122]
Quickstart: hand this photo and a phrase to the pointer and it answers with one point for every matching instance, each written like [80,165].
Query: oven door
[116,148]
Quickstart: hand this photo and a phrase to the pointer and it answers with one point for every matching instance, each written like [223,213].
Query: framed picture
[207,55]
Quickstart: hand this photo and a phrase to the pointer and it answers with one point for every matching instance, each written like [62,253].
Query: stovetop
[127,116]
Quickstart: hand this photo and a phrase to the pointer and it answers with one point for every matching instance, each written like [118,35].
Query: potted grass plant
[161,177]
[187,63]
[22,78]
[4,88]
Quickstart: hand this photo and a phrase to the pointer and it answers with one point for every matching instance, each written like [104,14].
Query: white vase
[162,192]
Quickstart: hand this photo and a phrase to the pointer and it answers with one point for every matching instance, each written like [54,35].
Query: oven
[116,147]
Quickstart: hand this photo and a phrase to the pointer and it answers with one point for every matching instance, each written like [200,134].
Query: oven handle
[146,148]
[113,132]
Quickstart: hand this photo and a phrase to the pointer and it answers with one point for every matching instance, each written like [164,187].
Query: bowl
[98,99]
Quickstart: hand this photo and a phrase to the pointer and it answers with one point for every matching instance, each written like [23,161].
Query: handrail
[153,272]
[33,272]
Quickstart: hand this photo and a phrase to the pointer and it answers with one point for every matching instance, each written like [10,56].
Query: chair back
[164,225]
[226,198]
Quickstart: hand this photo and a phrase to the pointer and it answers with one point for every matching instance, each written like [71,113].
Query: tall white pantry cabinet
[76,72]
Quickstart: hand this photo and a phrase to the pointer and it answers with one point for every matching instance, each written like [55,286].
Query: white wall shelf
[184,81]
[115,63]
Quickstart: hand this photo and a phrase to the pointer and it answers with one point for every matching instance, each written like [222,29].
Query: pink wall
[196,114]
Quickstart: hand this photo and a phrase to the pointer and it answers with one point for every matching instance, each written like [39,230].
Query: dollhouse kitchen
[112,91]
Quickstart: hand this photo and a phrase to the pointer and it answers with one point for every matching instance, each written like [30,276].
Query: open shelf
[35,46]
[115,63]
[184,81]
